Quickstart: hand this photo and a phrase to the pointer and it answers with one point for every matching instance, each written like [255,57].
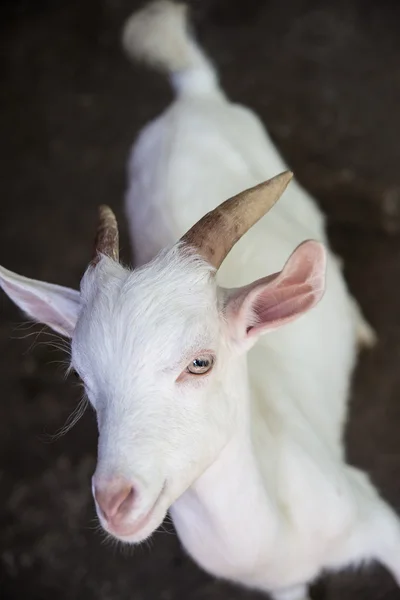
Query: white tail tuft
[158,35]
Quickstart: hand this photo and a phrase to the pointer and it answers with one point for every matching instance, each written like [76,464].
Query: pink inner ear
[298,288]
[41,311]
[278,299]
[46,303]
[272,308]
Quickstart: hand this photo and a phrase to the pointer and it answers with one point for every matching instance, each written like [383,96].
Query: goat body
[249,459]
[279,504]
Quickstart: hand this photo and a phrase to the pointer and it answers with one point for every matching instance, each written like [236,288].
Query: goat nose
[115,499]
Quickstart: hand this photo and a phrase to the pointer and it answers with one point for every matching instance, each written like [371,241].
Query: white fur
[250,459]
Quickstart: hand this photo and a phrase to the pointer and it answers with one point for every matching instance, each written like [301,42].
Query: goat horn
[218,231]
[107,238]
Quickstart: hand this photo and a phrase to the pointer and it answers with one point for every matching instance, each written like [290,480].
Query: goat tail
[158,35]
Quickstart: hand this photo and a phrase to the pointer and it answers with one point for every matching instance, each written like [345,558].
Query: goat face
[153,352]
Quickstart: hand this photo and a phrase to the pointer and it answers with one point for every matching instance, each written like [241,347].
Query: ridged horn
[107,238]
[218,231]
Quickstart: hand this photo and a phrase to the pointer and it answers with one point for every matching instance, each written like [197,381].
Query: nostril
[114,502]
[126,504]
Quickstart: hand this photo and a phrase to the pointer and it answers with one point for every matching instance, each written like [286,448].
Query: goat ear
[53,305]
[269,303]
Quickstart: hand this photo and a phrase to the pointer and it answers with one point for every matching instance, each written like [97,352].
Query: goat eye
[201,365]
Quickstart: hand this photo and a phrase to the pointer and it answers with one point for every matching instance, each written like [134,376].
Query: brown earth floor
[325,78]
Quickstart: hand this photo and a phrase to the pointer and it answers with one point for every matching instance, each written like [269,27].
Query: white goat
[240,436]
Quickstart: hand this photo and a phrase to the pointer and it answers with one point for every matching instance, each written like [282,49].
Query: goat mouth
[130,530]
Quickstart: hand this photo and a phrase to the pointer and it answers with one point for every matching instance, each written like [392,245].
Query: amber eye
[201,365]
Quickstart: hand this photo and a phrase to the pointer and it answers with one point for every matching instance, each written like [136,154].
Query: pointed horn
[218,231]
[107,238]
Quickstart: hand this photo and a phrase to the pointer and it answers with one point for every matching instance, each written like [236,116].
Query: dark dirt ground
[325,78]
